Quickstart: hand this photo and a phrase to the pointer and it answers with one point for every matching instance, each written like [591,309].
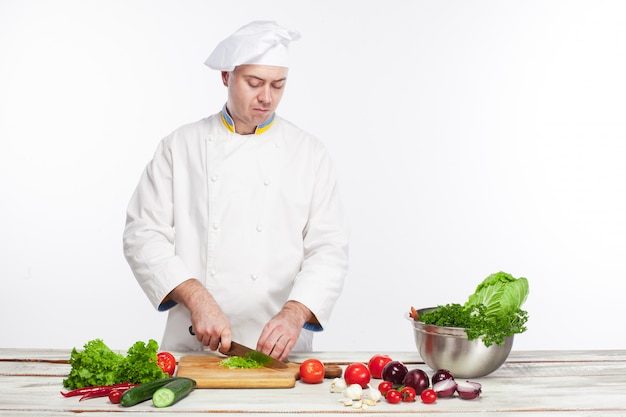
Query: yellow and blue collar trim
[230,123]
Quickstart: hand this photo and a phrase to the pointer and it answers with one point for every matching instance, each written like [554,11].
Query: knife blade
[237,349]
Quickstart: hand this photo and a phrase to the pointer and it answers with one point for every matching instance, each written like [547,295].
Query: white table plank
[530,384]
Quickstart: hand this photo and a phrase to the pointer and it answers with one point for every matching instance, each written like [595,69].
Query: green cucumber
[143,392]
[172,392]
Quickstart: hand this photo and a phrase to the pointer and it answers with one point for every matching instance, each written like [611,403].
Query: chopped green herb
[492,312]
[492,329]
[246,362]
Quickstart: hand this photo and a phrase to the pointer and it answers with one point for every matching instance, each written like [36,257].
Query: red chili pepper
[86,390]
[105,391]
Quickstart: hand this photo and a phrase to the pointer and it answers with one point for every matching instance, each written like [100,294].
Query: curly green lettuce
[141,364]
[96,364]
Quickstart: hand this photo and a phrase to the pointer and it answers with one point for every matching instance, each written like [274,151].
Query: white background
[469,136]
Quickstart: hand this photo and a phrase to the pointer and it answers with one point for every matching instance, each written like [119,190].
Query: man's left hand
[281,333]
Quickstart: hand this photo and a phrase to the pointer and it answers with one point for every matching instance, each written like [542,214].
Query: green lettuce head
[500,293]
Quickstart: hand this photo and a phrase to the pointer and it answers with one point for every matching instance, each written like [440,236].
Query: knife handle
[191,332]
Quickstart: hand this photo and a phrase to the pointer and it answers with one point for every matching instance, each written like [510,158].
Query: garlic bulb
[338,385]
[353,392]
[373,394]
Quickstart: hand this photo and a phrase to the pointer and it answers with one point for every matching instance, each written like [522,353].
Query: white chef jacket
[256,218]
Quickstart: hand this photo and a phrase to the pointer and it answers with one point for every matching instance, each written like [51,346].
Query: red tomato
[428,396]
[167,362]
[357,373]
[393,396]
[115,395]
[312,371]
[385,386]
[376,365]
[408,394]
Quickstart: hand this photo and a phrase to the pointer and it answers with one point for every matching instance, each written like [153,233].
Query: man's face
[254,92]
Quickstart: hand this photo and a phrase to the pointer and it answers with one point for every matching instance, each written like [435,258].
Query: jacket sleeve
[320,281]
[148,238]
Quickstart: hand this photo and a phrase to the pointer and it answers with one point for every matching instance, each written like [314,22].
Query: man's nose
[265,96]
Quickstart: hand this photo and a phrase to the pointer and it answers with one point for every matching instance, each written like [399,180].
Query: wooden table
[529,384]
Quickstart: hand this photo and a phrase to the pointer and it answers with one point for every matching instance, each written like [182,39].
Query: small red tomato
[408,394]
[115,395]
[167,362]
[312,371]
[393,396]
[376,365]
[384,386]
[357,373]
[428,396]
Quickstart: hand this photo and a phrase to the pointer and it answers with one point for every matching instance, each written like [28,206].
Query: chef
[236,226]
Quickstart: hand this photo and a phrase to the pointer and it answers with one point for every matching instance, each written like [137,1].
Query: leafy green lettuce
[140,364]
[500,293]
[96,364]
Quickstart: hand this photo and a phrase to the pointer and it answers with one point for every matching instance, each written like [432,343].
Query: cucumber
[143,392]
[172,392]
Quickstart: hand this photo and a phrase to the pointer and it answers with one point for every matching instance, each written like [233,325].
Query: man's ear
[225,75]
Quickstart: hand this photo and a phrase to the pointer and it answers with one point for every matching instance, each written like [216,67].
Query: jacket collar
[229,123]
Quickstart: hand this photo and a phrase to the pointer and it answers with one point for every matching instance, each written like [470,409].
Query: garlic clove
[346,401]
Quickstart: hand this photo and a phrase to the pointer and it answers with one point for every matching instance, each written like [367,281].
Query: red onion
[394,372]
[416,379]
[445,388]
[468,390]
[440,375]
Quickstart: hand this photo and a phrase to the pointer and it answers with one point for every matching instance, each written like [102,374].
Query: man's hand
[210,324]
[280,334]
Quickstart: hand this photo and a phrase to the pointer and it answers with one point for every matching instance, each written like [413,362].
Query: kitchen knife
[237,349]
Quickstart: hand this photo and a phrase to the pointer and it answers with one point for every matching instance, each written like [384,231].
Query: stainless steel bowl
[448,348]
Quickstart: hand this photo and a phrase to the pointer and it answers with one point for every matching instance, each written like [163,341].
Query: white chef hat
[260,42]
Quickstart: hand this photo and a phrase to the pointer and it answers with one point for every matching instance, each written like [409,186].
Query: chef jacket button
[213,272]
[267,182]
[211,139]
[253,277]
[259,228]
[215,178]
[216,226]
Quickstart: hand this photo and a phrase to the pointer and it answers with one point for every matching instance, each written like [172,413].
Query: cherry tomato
[376,365]
[393,396]
[115,395]
[384,386]
[408,394]
[167,362]
[428,396]
[312,371]
[357,373]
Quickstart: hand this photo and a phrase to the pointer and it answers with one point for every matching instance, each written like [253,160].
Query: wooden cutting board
[208,373]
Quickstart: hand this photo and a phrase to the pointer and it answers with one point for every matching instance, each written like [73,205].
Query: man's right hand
[212,329]
[209,323]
